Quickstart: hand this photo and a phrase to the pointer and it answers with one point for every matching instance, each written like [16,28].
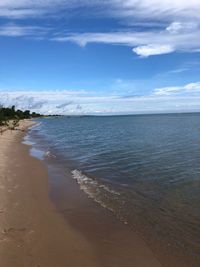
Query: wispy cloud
[151,9]
[20,9]
[14,30]
[145,43]
[191,89]
[179,22]
[25,8]
[156,9]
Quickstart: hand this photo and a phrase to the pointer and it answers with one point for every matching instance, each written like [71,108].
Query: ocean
[145,169]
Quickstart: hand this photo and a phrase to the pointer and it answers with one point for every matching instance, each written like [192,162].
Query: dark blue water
[144,168]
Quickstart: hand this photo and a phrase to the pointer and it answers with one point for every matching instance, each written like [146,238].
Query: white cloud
[179,19]
[151,9]
[175,27]
[156,9]
[14,30]
[191,88]
[144,43]
[149,50]
[182,27]
[24,8]
[33,8]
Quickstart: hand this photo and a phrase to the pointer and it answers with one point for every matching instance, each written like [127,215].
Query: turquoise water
[144,168]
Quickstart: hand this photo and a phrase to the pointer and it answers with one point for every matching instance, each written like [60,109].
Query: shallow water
[145,169]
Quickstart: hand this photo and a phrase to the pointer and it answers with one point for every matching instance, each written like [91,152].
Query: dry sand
[34,233]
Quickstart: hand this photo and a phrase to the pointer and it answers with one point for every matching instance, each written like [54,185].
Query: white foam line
[91,187]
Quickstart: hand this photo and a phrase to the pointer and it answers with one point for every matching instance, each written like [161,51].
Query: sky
[100,56]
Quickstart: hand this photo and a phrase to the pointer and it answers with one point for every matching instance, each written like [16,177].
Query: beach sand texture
[34,233]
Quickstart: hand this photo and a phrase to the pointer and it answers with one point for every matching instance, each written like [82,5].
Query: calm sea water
[144,168]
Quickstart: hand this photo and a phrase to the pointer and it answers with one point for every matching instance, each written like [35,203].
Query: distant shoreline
[123,115]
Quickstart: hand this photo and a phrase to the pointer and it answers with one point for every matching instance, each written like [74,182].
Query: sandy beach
[33,232]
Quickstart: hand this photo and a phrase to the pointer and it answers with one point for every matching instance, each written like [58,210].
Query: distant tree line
[10,113]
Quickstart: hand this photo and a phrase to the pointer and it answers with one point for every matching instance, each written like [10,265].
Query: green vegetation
[10,114]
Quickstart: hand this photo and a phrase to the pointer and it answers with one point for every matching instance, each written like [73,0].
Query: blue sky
[100,57]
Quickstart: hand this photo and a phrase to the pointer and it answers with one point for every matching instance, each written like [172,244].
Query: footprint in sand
[13,230]
[13,234]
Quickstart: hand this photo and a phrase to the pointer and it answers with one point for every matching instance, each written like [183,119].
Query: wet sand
[33,230]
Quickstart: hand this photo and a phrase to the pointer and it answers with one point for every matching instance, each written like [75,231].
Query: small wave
[100,193]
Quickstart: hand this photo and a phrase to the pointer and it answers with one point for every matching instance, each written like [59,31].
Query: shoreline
[48,221]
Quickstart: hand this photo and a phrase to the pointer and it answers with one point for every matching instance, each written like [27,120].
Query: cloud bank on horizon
[149,29]
[167,99]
